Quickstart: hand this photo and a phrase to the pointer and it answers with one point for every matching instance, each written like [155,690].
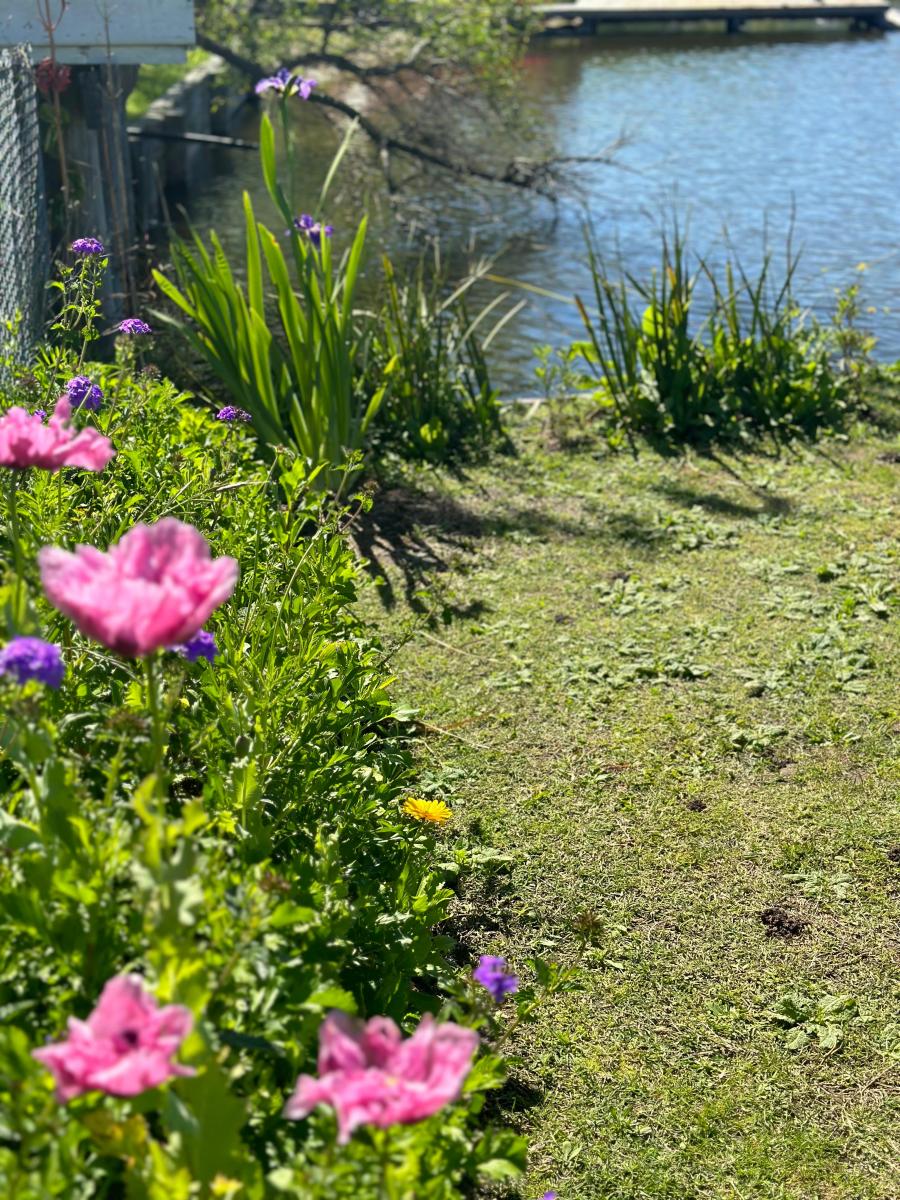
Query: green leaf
[209,1120]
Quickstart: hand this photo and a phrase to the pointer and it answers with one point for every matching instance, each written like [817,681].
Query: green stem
[18,558]
[288,152]
[385,1161]
[157,722]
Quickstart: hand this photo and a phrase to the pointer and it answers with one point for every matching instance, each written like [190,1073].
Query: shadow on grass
[711,502]
[417,533]
[420,535]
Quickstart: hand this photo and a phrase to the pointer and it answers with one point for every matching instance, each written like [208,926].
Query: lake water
[742,132]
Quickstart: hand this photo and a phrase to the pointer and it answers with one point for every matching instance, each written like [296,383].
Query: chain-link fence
[24,241]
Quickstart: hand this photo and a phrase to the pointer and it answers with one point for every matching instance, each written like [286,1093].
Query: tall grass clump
[695,355]
[439,404]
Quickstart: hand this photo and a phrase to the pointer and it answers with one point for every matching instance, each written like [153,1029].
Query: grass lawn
[670,697]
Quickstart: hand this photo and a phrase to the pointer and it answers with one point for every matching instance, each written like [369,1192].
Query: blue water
[759,135]
[752,135]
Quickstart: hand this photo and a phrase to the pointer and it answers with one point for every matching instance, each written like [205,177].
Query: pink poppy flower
[25,441]
[370,1075]
[153,588]
[123,1048]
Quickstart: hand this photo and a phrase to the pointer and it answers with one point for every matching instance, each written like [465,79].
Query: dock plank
[618,12]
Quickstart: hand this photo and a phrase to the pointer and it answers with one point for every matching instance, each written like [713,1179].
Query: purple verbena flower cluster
[83,393]
[201,645]
[231,413]
[27,658]
[492,974]
[285,83]
[88,245]
[133,325]
[312,229]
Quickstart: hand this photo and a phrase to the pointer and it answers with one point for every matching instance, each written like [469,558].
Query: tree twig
[526,174]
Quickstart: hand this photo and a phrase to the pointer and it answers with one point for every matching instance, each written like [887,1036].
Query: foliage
[804,1019]
[303,386]
[261,873]
[482,38]
[439,405]
[750,368]
[331,378]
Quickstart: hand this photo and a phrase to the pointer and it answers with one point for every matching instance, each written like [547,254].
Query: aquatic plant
[743,364]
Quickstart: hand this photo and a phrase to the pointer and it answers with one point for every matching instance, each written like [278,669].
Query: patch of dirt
[695,805]
[890,456]
[781,923]
[893,855]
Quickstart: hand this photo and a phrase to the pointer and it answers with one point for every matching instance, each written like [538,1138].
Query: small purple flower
[549,1196]
[230,413]
[201,645]
[133,325]
[40,412]
[32,658]
[313,229]
[492,974]
[87,245]
[83,393]
[285,83]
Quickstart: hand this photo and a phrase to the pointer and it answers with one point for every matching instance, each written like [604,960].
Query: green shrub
[749,367]
[439,405]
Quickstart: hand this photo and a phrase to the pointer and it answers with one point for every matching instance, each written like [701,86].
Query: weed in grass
[807,1021]
[822,885]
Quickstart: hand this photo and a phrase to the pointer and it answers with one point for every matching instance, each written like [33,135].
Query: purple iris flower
[83,393]
[87,245]
[313,229]
[28,658]
[230,413]
[285,83]
[492,974]
[133,325]
[201,645]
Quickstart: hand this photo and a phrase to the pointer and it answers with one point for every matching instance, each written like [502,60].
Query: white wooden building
[93,32]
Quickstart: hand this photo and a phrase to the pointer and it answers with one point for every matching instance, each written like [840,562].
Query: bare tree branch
[527,174]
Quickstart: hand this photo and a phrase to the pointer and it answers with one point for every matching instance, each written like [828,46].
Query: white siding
[98,31]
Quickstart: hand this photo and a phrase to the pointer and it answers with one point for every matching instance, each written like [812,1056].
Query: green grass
[669,696]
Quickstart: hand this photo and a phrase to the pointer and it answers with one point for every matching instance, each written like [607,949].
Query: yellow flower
[222,1186]
[427,810]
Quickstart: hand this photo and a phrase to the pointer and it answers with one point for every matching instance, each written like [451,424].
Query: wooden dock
[592,16]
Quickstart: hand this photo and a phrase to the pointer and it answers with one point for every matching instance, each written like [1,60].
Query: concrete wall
[166,171]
